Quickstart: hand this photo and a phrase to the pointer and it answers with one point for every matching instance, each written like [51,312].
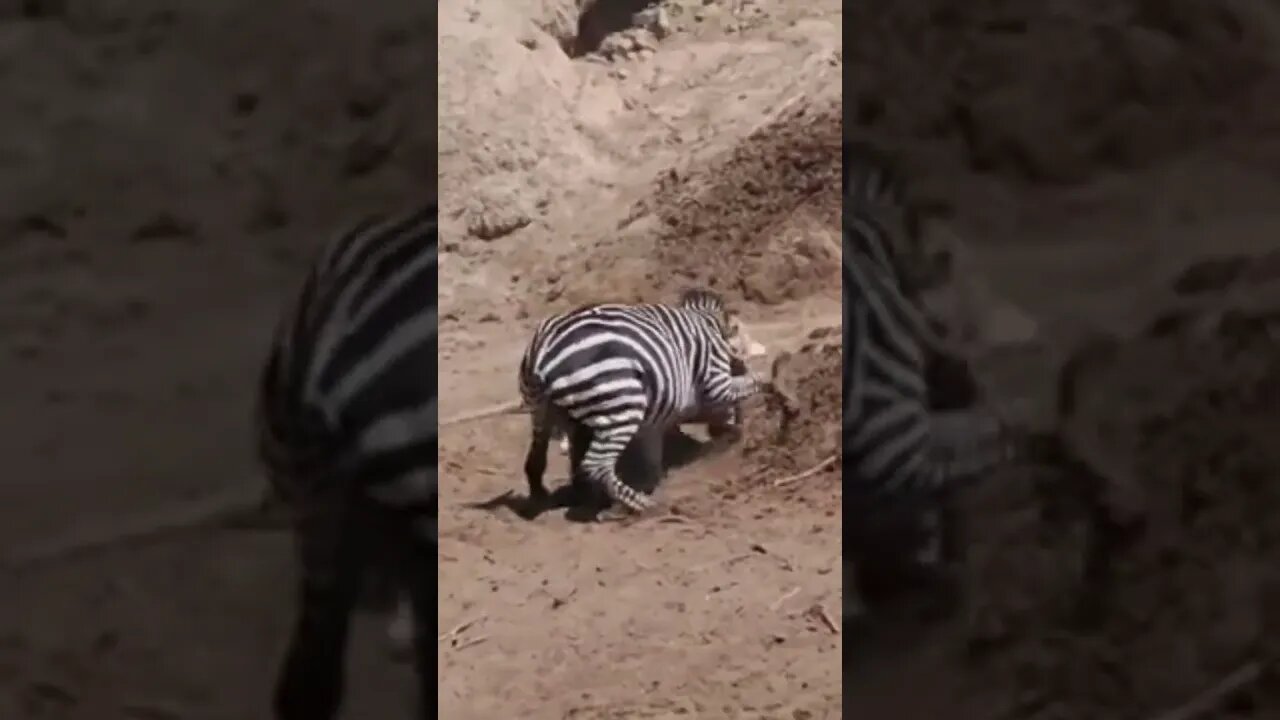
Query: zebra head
[884,224]
[732,328]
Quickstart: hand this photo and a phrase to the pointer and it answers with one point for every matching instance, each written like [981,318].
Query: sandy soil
[172,165]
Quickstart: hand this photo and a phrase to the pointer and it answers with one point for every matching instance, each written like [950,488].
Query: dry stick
[460,628]
[731,560]
[1209,700]
[229,506]
[822,615]
[511,407]
[789,594]
[468,643]
[782,560]
[826,462]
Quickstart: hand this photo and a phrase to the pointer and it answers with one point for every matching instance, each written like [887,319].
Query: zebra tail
[622,493]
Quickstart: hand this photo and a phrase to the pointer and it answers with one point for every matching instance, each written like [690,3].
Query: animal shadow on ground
[678,450]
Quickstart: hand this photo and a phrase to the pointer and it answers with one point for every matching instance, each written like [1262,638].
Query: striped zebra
[605,373]
[347,431]
[903,458]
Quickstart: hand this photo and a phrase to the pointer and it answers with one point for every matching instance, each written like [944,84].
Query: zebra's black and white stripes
[900,459]
[613,370]
[347,430]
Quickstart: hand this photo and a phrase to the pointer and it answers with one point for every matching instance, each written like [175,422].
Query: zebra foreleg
[332,544]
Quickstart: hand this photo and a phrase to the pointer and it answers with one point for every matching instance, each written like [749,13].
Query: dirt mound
[1197,594]
[786,436]
[1035,92]
[759,223]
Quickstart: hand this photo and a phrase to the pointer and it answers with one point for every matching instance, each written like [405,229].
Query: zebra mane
[703,300]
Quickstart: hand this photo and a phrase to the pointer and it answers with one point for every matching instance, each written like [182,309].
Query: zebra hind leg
[535,461]
[643,463]
[332,544]
[584,491]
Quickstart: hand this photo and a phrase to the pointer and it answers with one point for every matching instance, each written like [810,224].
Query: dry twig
[821,613]
[782,560]
[731,560]
[469,643]
[460,628]
[511,407]
[826,462]
[789,594]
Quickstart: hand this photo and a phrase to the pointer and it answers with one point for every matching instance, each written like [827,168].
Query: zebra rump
[347,431]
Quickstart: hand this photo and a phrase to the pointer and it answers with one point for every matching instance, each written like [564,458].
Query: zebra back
[348,391]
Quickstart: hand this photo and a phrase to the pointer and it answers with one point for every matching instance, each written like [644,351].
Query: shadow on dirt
[678,450]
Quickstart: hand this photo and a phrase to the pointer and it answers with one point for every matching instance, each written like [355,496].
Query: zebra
[608,372]
[347,431]
[902,457]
